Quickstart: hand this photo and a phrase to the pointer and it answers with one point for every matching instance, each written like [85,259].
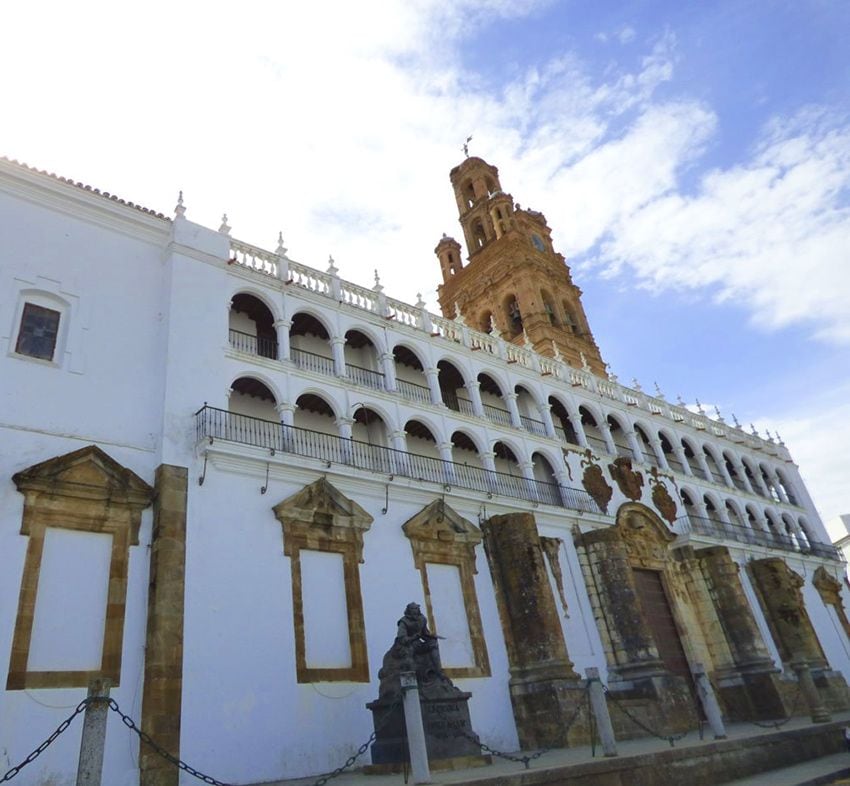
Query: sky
[693,160]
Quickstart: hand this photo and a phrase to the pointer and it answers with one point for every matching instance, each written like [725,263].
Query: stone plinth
[446,721]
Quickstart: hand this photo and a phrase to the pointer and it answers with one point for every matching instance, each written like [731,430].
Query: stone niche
[547,694]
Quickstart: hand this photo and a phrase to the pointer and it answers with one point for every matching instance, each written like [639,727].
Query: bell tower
[514,279]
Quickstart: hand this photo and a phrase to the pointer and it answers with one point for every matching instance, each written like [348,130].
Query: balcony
[253,345]
[714,528]
[217,424]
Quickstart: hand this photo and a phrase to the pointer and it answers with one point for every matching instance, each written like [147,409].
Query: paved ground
[808,773]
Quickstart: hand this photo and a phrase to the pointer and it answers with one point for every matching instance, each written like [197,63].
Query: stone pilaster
[545,689]
[161,701]
[749,686]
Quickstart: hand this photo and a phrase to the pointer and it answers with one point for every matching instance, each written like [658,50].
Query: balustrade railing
[262,346]
[501,417]
[533,426]
[413,392]
[365,377]
[715,528]
[309,361]
[218,424]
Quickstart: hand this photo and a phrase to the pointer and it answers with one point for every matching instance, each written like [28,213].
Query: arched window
[251,326]
[513,314]
[479,237]
[563,425]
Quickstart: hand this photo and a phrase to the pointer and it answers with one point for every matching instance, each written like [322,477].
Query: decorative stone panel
[438,535]
[321,518]
[83,491]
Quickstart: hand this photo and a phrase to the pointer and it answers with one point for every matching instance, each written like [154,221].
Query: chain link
[779,724]
[671,738]
[46,744]
[530,757]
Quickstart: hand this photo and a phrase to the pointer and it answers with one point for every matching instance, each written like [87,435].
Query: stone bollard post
[93,742]
[415,730]
[709,702]
[817,709]
[600,712]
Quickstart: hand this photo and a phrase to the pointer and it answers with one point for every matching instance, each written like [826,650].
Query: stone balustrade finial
[377,287]
[636,385]
[458,315]
[420,303]
[753,430]
[699,408]
[494,328]
[180,208]
[584,364]
[719,416]
[679,400]
[224,228]
[281,249]
[735,421]
[658,391]
[332,268]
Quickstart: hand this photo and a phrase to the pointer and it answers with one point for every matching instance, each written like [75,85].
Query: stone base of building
[751,696]
[663,703]
[550,713]
[832,689]
[435,765]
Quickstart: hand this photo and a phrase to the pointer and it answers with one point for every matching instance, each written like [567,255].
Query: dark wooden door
[659,618]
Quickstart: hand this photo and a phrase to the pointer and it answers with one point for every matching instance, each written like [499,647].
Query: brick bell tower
[514,279]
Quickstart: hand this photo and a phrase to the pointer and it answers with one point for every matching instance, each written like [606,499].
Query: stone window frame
[440,536]
[82,491]
[40,298]
[829,589]
[321,518]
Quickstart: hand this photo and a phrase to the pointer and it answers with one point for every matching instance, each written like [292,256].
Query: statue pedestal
[446,721]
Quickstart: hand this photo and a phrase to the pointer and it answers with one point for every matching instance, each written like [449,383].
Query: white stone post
[93,742]
[709,702]
[605,431]
[600,712]
[286,412]
[683,459]
[345,425]
[634,446]
[445,449]
[415,728]
[578,426]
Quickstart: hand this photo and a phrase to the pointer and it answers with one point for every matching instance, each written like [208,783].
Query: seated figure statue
[414,649]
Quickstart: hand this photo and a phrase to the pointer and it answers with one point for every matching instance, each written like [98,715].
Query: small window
[38,332]
[538,242]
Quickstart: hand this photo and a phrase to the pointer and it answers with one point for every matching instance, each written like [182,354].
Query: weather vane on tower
[466,146]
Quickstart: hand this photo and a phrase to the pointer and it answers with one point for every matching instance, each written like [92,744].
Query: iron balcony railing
[365,376]
[310,361]
[533,426]
[721,529]
[413,392]
[218,424]
[501,417]
[253,345]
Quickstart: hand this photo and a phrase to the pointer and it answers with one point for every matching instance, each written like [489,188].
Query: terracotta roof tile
[85,187]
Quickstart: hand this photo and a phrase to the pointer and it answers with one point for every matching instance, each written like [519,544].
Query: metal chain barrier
[46,744]
[530,757]
[148,740]
[349,762]
[778,724]
[671,738]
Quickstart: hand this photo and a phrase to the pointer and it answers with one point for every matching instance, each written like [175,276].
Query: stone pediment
[320,515]
[323,505]
[87,473]
[437,521]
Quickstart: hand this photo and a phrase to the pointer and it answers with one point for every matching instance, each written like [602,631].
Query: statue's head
[412,610]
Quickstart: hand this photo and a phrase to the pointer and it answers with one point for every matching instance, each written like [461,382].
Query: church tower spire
[514,278]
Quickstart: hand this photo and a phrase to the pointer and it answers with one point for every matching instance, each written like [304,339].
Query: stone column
[282,327]
[703,464]
[388,364]
[578,427]
[635,447]
[546,416]
[749,687]
[683,459]
[742,474]
[161,699]
[610,577]
[660,456]
[774,479]
[727,478]
[544,687]
[445,449]
[473,388]
[338,350]
[286,410]
[510,400]
[605,430]
[433,377]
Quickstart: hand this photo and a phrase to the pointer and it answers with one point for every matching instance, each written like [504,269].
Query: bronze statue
[418,644]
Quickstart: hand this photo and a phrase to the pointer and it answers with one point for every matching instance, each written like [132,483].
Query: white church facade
[225,474]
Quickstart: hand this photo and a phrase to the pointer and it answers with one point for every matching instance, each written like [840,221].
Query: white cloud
[625,34]
[773,233]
